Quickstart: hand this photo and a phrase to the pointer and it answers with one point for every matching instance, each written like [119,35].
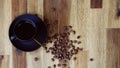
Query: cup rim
[29,22]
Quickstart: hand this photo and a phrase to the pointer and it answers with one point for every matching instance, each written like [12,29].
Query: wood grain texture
[96,3]
[35,58]
[19,7]
[82,60]
[98,28]
[113,45]
[56,15]
[4,61]
[1,26]
[5,45]
[113,18]
[78,19]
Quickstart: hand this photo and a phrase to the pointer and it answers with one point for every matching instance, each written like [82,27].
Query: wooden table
[95,20]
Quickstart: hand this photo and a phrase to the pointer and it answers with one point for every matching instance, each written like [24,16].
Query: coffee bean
[74,32]
[54,65]
[59,65]
[64,65]
[45,48]
[65,61]
[63,48]
[75,41]
[81,49]
[49,66]
[91,59]
[74,58]
[36,58]
[70,26]
[79,42]
[53,59]
[78,37]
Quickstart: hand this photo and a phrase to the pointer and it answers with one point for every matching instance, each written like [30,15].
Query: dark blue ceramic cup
[25,29]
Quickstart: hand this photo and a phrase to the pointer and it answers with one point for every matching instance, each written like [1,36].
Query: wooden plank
[82,60]
[96,38]
[5,45]
[57,14]
[118,8]
[2,51]
[32,6]
[97,20]
[51,16]
[113,45]
[91,24]
[35,58]
[96,3]
[4,61]
[19,57]
[78,19]
[113,18]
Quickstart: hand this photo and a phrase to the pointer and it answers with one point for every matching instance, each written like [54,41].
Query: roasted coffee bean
[47,51]
[74,32]
[64,65]
[54,65]
[53,59]
[50,48]
[45,48]
[59,65]
[63,48]
[53,52]
[78,37]
[78,48]
[74,58]
[91,59]
[79,42]
[66,28]
[49,66]
[70,26]
[36,58]
[75,41]
[65,61]
[81,49]
[50,41]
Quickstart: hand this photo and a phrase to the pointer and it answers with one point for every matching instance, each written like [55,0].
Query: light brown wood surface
[98,25]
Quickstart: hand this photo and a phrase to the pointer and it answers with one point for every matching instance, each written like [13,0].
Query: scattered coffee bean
[59,65]
[45,48]
[47,51]
[78,37]
[53,59]
[70,26]
[49,66]
[54,65]
[79,42]
[81,49]
[74,32]
[36,58]
[1,57]
[74,58]
[64,65]
[63,48]
[75,41]
[91,59]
